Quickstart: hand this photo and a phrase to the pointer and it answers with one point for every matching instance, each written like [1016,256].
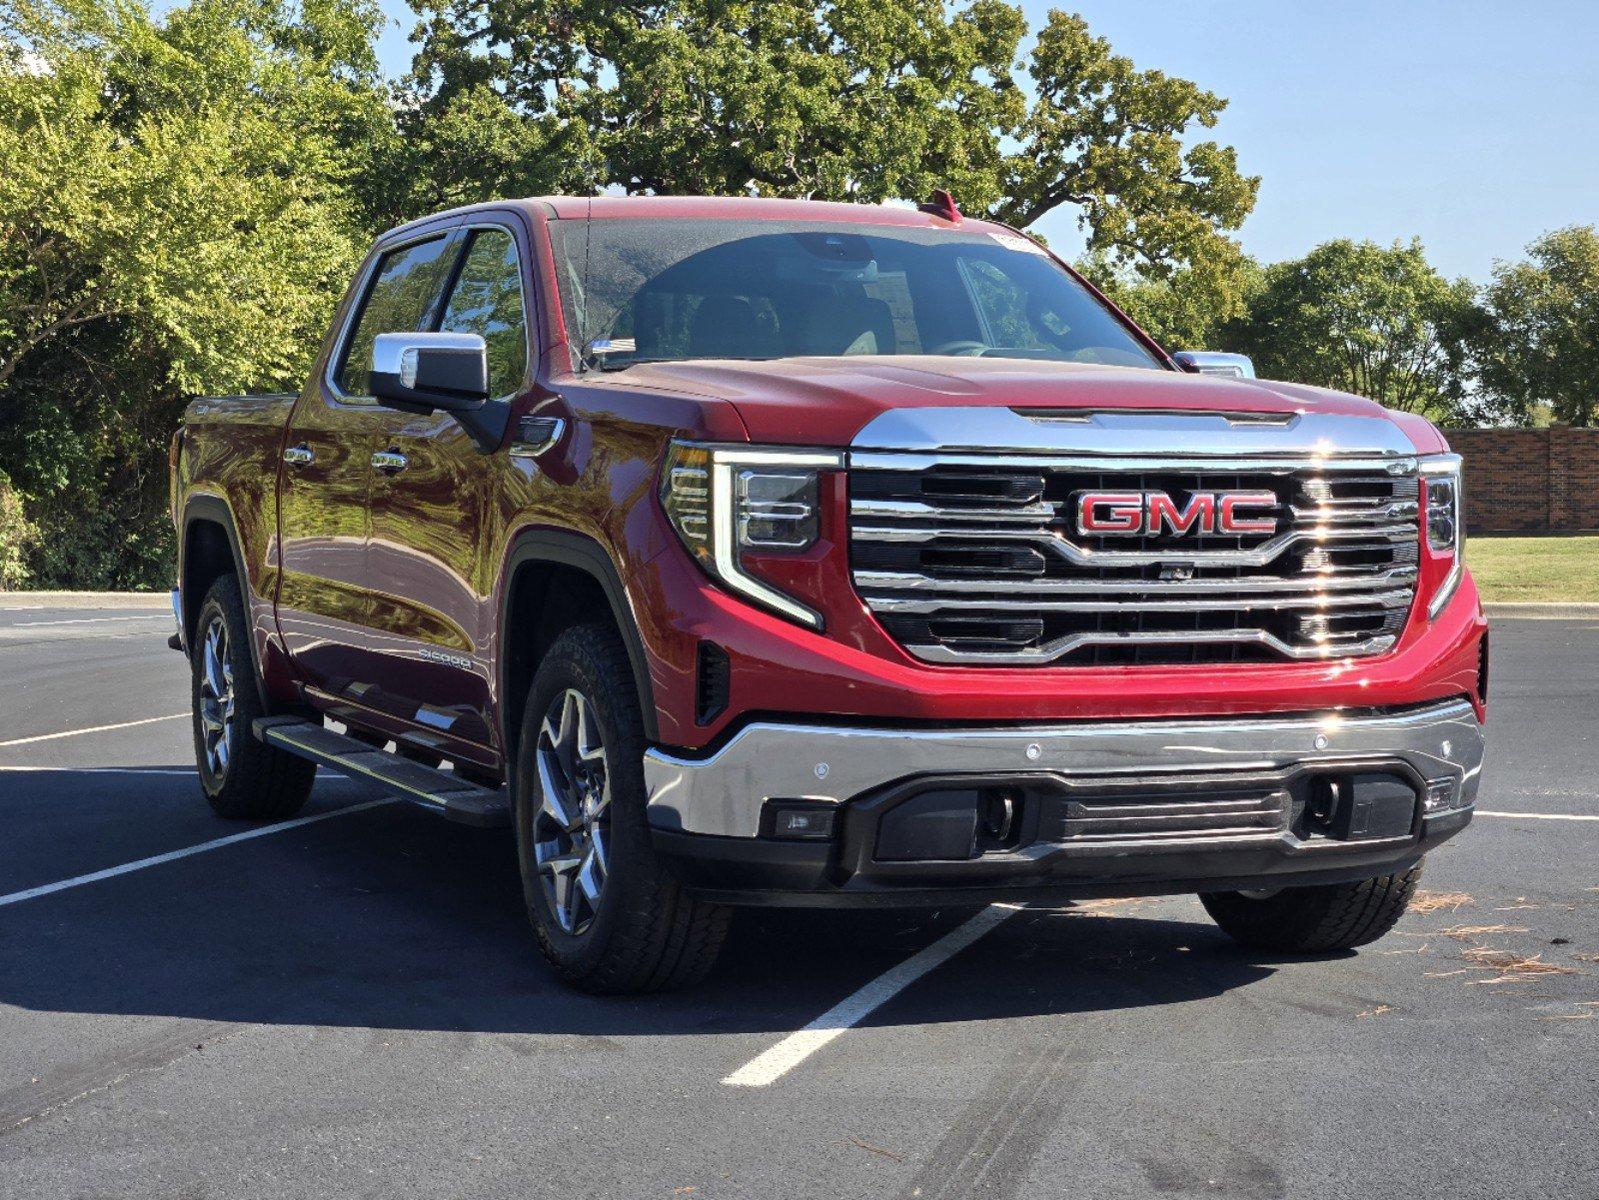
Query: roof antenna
[942,205]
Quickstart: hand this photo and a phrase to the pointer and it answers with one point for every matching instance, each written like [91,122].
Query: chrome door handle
[298,456]
[391,461]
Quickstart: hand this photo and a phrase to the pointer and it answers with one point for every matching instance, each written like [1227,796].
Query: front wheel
[608,915]
[1310,920]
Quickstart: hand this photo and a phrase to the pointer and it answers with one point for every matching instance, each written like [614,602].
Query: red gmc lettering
[1228,520]
[1156,512]
[1163,512]
[1124,512]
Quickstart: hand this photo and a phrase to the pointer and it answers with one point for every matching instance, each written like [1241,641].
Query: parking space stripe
[84,621]
[101,770]
[66,733]
[156,860]
[1487,812]
[782,1058]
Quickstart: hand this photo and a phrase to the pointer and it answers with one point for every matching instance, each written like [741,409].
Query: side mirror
[1215,362]
[430,372]
[440,372]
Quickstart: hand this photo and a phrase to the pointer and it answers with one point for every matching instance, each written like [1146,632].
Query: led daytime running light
[712,497]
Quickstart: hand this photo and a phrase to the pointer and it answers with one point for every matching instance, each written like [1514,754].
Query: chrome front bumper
[723,793]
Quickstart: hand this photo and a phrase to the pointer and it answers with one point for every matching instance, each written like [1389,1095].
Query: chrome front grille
[968,558]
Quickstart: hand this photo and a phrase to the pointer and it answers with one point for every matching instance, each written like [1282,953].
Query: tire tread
[262,782]
[662,937]
[1310,920]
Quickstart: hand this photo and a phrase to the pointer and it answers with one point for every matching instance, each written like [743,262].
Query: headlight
[725,501]
[1444,522]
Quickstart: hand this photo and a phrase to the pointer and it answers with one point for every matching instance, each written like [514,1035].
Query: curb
[1538,611]
[18,600]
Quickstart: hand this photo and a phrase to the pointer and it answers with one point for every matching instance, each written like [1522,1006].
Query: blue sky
[1472,125]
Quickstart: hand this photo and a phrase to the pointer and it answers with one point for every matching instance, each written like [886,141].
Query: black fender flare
[216,510]
[583,553]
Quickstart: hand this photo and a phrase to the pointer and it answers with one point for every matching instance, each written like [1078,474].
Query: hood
[827,401]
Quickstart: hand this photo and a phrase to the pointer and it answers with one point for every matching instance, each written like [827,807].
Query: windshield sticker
[613,346]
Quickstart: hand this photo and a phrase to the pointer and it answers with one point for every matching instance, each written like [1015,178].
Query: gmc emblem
[1133,514]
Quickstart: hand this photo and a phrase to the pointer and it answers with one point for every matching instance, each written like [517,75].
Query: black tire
[644,933]
[1313,920]
[253,781]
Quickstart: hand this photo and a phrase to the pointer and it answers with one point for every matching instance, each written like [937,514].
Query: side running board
[440,791]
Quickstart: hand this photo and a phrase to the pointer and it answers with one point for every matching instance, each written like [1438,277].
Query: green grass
[1546,569]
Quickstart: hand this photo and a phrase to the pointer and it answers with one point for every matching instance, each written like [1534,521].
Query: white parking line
[50,737]
[782,1058]
[156,860]
[83,621]
[1487,812]
[102,770]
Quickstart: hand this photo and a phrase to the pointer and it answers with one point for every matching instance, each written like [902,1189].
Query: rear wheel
[1308,920]
[241,777]
[608,915]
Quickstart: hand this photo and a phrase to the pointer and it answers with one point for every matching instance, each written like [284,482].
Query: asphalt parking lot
[351,1005]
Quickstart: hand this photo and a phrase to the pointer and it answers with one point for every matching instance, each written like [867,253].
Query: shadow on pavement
[395,919]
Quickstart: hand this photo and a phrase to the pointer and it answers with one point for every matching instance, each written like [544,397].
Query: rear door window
[487,301]
[400,300]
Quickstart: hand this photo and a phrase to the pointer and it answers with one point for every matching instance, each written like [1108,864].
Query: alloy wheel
[216,697]
[571,829]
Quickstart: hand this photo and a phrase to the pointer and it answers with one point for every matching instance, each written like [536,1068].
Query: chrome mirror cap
[397,353]
[1216,362]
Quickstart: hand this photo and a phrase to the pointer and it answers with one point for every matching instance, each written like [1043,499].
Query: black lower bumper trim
[756,871]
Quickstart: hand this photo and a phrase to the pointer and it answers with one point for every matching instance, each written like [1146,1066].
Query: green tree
[1190,308]
[176,216]
[852,99]
[16,537]
[1539,340]
[1378,321]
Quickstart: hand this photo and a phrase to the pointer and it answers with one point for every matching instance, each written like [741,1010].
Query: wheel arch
[209,549]
[533,611]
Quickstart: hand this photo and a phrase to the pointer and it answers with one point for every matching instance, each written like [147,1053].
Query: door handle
[390,461]
[298,456]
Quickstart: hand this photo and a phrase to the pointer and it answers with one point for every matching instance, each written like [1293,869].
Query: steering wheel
[962,347]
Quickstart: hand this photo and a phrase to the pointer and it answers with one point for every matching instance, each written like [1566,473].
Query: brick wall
[1530,480]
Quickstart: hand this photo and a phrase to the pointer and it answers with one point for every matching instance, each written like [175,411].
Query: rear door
[325,596]
[432,590]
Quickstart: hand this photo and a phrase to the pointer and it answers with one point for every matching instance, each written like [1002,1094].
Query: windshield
[667,290]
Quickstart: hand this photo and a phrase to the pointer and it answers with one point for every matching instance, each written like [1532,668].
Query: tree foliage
[1538,340]
[176,216]
[1378,321]
[184,198]
[1187,308]
[854,99]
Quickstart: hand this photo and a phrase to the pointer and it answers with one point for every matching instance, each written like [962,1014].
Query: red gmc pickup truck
[742,551]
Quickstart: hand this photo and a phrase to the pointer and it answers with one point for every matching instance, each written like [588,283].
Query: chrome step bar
[442,792]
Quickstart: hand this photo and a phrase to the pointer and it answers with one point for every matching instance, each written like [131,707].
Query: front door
[432,589]
[325,598]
